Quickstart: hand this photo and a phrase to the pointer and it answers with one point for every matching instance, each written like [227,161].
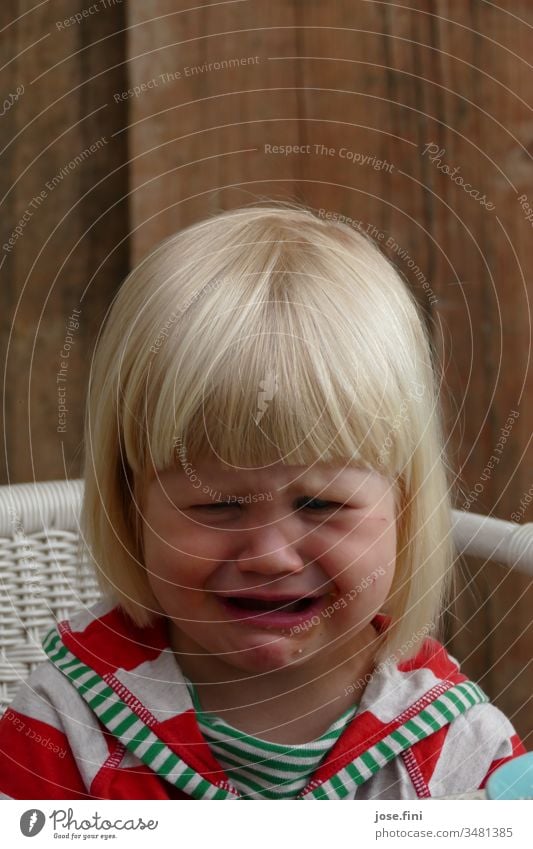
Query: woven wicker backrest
[44,573]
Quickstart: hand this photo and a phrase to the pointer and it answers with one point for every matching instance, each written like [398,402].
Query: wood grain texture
[356,79]
[72,251]
[391,104]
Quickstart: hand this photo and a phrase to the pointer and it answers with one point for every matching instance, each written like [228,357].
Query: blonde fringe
[268,293]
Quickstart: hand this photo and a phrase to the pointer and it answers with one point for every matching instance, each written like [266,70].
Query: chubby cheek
[362,564]
[175,575]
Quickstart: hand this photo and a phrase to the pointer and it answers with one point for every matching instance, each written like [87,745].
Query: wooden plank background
[426,91]
[73,249]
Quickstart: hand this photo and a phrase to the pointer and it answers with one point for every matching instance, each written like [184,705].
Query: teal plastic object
[513,780]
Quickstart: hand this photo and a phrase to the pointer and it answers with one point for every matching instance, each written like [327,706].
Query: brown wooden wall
[391,106]
[64,185]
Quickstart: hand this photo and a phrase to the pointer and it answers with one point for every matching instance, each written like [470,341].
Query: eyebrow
[311,482]
[303,483]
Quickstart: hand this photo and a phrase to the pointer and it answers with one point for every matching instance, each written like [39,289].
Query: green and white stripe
[447,707]
[260,768]
[127,727]
[144,743]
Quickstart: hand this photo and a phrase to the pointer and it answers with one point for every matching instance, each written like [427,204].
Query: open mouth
[273,612]
[259,605]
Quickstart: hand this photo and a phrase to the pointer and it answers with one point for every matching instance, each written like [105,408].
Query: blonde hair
[268,297]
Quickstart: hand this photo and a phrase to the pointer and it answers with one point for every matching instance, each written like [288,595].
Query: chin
[272,652]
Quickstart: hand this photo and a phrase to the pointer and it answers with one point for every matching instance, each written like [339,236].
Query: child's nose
[269,550]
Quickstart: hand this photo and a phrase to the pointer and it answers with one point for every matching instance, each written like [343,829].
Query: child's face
[218,571]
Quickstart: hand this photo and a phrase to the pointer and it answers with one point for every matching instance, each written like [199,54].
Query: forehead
[277,477]
[282,474]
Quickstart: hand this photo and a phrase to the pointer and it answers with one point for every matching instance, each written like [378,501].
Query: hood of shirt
[130,678]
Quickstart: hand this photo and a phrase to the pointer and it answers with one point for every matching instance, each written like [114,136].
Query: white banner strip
[453,823]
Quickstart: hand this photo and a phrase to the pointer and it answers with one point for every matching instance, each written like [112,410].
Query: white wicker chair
[45,572]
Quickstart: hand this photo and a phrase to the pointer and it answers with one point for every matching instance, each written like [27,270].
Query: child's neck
[291,705]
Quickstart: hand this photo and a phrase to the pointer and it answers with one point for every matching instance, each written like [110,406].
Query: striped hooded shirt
[261,769]
[110,716]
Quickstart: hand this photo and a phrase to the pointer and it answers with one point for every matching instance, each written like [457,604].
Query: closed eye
[214,506]
[315,504]
[318,504]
